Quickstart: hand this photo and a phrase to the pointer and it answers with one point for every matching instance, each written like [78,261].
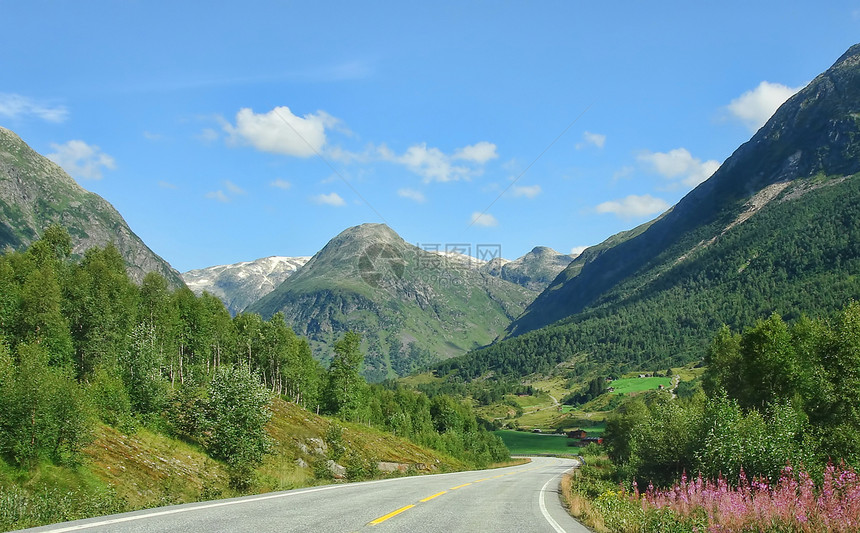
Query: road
[513,499]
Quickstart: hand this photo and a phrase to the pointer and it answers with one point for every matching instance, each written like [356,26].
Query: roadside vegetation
[115,396]
[769,444]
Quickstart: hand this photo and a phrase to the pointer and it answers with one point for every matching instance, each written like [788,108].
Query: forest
[795,256]
[81,344]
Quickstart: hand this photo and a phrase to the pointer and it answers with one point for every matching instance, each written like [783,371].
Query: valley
[710,350]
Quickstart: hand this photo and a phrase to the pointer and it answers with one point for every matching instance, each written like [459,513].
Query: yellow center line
[428,498]
[382,519]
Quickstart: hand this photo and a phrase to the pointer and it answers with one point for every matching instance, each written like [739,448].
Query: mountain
[411,306]
[36,193]
[241,284]
[775,229]
[534,271]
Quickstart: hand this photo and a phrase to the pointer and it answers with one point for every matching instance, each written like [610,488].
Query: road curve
[513,499]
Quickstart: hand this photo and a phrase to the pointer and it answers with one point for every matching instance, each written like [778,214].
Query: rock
[337,471]
[387,467]
[318,445]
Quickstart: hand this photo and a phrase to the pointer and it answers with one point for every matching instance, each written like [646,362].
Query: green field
[520,442]
[628,385]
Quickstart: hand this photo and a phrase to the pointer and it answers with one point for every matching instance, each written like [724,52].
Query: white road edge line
[555,525]
[544,511]
[188,508]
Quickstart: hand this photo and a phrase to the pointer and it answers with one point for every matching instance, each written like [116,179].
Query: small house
[577,434]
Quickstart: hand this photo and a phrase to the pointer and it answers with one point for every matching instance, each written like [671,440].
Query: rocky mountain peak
[240,284]
[35,193]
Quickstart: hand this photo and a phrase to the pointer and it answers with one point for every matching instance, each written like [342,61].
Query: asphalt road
[515,499]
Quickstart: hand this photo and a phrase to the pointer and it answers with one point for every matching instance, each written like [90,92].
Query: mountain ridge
[775,230]
[36,193]
[776,153]
[411,305]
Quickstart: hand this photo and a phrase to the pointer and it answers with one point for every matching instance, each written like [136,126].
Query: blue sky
[229,131]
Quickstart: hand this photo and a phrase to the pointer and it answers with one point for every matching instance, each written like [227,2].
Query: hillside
[774,229]
[124,470]
[241,284]
[411,306]
[36,193]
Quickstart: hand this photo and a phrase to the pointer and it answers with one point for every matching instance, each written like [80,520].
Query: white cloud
[634,206]
[591,139]
[167,185]
[150,136]
[755,107]
[281,132]
[480,152]
[576,250]
[81,160]
[679,164]
[18,106]
[486,220]
[433,164]
[412,194]
[332,199]
[218,196]
[529,191]
[233,188]
[281,184]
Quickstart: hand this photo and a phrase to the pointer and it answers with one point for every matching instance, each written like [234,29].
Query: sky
[229,131]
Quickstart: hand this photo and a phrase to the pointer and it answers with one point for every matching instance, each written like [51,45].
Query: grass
[547,417]
[522,443]
[631,385]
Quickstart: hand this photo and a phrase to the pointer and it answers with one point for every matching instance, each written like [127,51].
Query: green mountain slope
[411,306]
[776,228]
[36,193]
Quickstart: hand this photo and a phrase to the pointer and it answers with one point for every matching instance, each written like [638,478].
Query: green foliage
[658,441]
[236,417]
[334,442]
[100,301]
[777,394]
[20,508]
[346,388]
[186,412]
[79,342]
[110,399]
[142,371]
[45,412]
